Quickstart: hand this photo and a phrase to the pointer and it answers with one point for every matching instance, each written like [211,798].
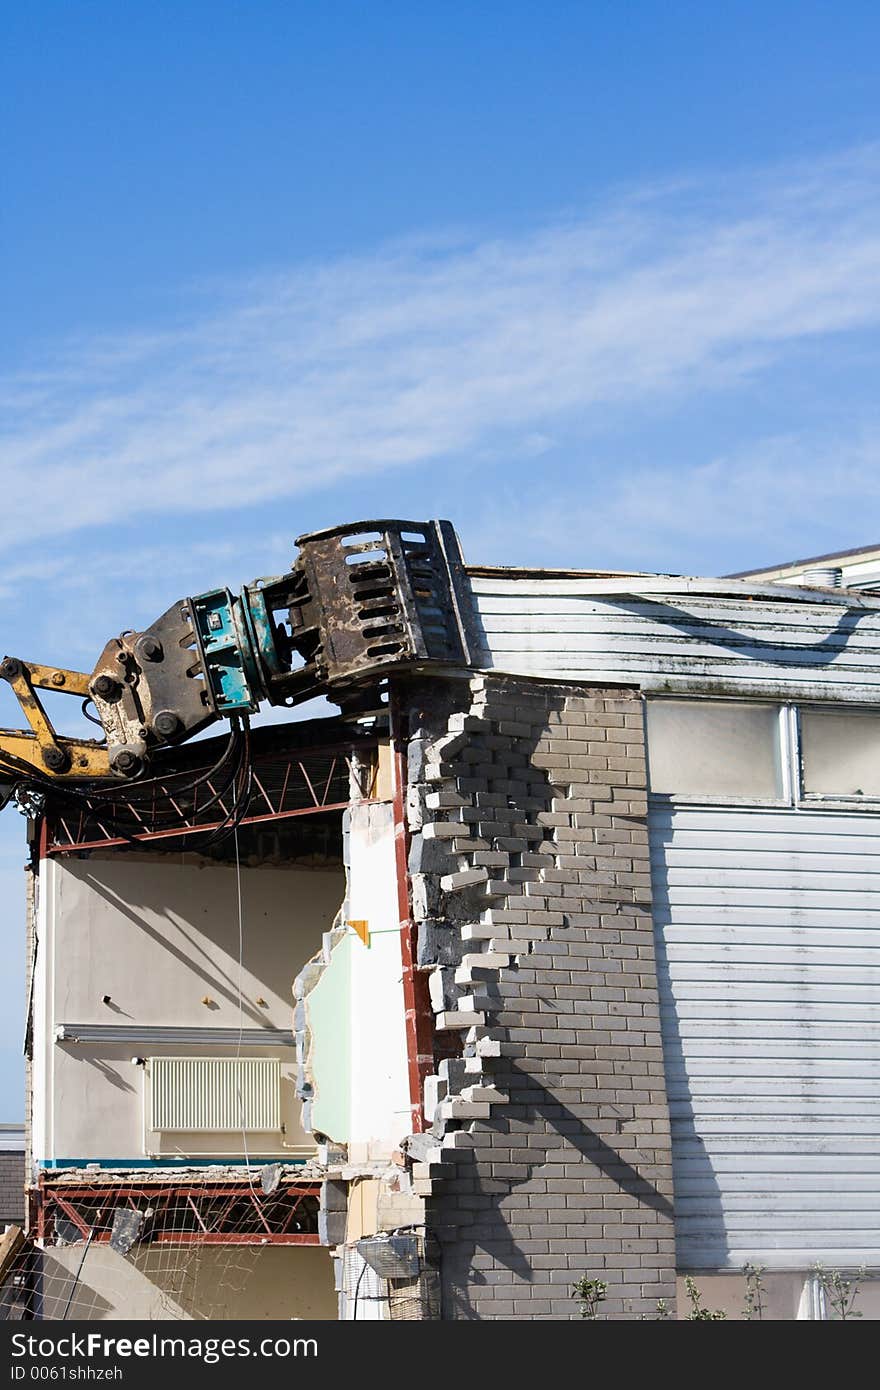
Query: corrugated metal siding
[569,630]
[215,1094]
[768,939]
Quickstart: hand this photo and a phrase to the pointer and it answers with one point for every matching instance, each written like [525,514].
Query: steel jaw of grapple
[377,597]
[361,601]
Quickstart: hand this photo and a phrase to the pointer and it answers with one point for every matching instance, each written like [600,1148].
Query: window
[729,750]
[714,749]
[840,753]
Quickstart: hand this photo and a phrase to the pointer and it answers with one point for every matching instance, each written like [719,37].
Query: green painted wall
[329,1013]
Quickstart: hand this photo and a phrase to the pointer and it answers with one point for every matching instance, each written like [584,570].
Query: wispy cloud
[424,352]
[776,499]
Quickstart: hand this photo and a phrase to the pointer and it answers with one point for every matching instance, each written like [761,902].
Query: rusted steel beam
[149,835]
[257,1208]
[72,1214]
[418,1015]
[157,1188]
[196,1214]
[231,1238]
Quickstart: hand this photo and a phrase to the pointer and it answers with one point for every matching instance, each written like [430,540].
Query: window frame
[789,746]
[832,800]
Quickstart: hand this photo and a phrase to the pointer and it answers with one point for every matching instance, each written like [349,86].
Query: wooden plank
[11,1243]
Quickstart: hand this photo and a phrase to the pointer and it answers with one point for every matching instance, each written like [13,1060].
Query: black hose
[236,750]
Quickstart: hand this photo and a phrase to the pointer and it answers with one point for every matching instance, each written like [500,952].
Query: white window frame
[813,801]
[789,745]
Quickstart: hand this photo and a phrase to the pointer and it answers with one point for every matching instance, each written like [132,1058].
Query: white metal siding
[680,637]
[221,1095]
[768,940]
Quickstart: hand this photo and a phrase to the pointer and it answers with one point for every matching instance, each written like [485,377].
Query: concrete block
[422,1148]
[441,989]
[458,1141]
[458,1018]
[446,799]
[453,1072]
[465,878]
[440,830]
[437,943]
[425,896]
[468,723]
[435,1090]
[333,1212]
[480,931]
[476,1001]
[457,1109]
[486,960]
[484,1095]
[429,856]
[415,808]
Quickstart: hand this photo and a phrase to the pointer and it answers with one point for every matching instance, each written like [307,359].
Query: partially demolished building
[553,954]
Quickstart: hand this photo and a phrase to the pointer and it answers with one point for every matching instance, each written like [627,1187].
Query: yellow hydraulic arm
[43,750]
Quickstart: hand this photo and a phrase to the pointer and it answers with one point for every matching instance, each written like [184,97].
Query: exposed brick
[572,1175]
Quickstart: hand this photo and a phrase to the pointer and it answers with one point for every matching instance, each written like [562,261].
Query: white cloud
[423,352]
[777,499]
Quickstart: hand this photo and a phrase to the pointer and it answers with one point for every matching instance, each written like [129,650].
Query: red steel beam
[417,1007]
[331,751]
[72,1215]
[193,829]
[233,1238]
[278,1210]
[155,1189]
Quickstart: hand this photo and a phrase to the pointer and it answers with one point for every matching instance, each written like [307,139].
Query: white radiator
[219,1095]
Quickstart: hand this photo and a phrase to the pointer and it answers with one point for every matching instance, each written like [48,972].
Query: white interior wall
[379,1074]
[159,1283]
[159,936]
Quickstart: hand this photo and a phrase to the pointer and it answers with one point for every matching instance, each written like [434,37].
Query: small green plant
[753,1309]
[661,1311]
[591,1292]
[840,1292]
[698,1313]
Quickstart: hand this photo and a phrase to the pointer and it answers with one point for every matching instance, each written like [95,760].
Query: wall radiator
[215,1095]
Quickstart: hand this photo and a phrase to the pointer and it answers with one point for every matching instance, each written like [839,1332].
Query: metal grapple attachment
[360,602]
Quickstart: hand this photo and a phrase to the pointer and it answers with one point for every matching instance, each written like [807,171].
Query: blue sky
[598,282]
